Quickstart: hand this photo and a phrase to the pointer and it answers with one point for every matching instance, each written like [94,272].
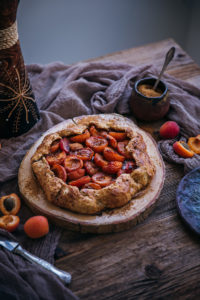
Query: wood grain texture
[183,67]
[158,258]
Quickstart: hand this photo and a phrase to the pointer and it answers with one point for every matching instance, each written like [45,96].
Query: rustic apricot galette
[93,165]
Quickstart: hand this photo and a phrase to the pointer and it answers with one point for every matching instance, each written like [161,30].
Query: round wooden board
[109,221]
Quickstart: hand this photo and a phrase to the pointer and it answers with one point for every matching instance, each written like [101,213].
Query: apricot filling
[91,160]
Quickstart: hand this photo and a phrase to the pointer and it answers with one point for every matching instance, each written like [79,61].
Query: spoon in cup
[169,56]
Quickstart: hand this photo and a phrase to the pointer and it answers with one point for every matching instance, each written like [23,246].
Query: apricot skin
[169,130]
[180,149]
[36,227]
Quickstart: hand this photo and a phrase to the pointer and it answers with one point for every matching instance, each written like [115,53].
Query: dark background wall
[74,30]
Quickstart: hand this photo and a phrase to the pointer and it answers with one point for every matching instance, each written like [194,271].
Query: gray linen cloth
[64,92]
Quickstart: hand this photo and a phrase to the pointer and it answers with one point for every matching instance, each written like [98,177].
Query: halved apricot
[121,147]
[75,146]
[97,143]
[91,168]
[9,222]
[80,182]
[72,163]
[85,153]
[112,155]
[51,159]
[64,145]
[119,136]
[60,172]
[92,185]
[55,146]
[93,131]
[61,156]
[76,174]
[57,158]
[99,161]
[81,137]
[194,144]
[10,204]
[112,167]
[182,149]
[111,140]
[102,179]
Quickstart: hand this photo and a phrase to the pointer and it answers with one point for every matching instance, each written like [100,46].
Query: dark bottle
[18,108]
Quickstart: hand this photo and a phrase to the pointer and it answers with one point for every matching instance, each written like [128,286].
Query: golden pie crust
[90,201]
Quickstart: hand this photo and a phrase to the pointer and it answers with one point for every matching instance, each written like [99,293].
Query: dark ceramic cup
[147,108]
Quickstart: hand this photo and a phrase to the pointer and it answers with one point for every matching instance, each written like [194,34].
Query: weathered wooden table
[159,257]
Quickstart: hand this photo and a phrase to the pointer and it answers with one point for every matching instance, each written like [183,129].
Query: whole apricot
[169,130]
[36,227]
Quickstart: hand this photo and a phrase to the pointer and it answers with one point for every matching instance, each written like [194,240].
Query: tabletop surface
[159,257]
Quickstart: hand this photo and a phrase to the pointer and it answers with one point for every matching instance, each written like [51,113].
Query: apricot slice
[112,167]
[9,222]
[112,155]
[72,163]
[80,182]
[57,158]
[85,153]
[92,185]
[55,146]
[61,156]
[64,145]
[121,147]
[93,131]
[36,227]
[51,159]
[75,146]
[119,136]
[194,144]
[91,168]
[99,161]
[182,149]
[60,172]
[102,179]
[81,137]
[97,143]
[111,140]
[10,204]
[76,174]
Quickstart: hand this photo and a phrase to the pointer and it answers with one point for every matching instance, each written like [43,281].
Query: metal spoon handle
[168,58]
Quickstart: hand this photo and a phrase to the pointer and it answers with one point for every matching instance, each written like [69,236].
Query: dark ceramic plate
[188,199]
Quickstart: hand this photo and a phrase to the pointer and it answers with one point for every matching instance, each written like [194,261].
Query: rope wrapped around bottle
[18,108]
[8,36]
